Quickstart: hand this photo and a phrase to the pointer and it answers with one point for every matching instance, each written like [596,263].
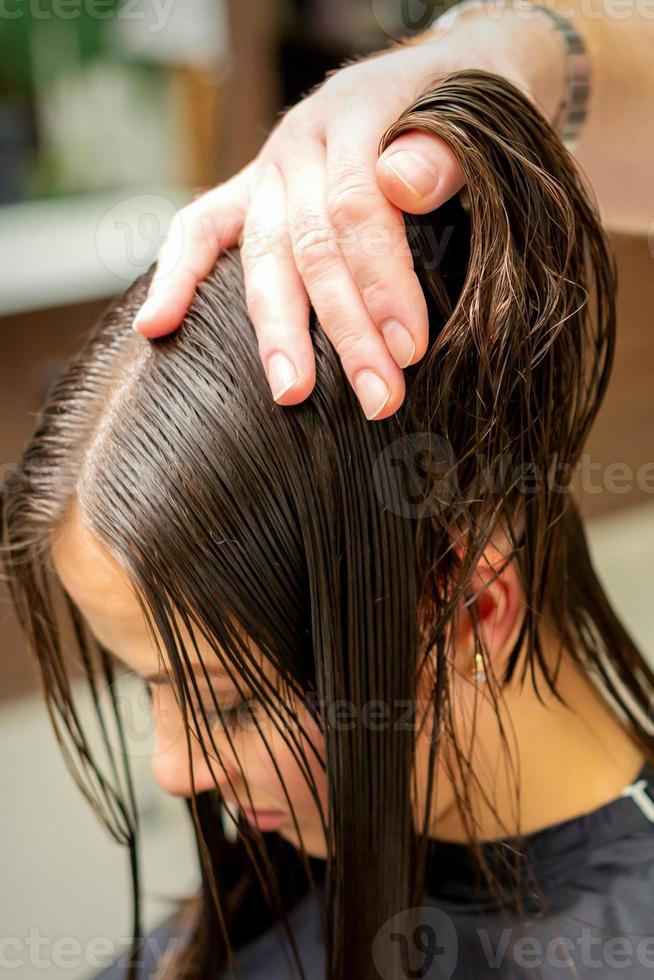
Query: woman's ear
[495,604]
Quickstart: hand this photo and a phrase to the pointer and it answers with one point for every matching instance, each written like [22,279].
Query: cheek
[292,762]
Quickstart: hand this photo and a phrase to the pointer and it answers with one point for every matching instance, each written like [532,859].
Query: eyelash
[231,718]
[234,718]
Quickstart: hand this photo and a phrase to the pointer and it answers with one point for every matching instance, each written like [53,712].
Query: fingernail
[372,391]
[413,170]
[399,342]
[281,375]
[147,311]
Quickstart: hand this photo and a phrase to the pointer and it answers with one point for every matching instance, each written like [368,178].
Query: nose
[171,767]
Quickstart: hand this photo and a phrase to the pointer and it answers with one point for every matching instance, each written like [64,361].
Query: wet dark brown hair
[327,539]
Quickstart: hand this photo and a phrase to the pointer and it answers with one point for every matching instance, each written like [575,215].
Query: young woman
[412,732]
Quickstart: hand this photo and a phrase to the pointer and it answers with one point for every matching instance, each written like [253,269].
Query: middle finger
[370,368]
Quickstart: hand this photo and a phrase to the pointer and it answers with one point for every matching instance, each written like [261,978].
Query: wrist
[518,43]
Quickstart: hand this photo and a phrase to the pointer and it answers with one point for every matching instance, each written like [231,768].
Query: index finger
[197,235]
[373,241]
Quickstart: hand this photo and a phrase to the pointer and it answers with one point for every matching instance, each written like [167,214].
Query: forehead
[89,573]
[102,591]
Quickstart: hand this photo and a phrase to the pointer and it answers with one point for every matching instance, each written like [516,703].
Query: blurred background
[112,115]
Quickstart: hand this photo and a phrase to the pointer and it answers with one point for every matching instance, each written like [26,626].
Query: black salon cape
[596,870]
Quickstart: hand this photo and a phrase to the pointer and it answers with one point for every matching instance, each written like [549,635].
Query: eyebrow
[161,677]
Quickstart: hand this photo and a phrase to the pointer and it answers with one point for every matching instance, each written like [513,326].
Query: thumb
[418,172]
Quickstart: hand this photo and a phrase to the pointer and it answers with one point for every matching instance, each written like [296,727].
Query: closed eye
[232,717]
[236,717]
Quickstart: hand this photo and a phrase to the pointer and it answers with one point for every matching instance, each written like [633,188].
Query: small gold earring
[478,669]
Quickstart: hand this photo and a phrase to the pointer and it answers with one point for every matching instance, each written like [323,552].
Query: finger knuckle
[349,344]
[314,248]
[254,242]
[349,202]
[375,294]
[279,240]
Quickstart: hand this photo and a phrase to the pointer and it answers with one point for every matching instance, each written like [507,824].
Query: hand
[319,219]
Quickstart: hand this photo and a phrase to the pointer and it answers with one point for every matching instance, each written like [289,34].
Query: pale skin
[567,762]
[305,207]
